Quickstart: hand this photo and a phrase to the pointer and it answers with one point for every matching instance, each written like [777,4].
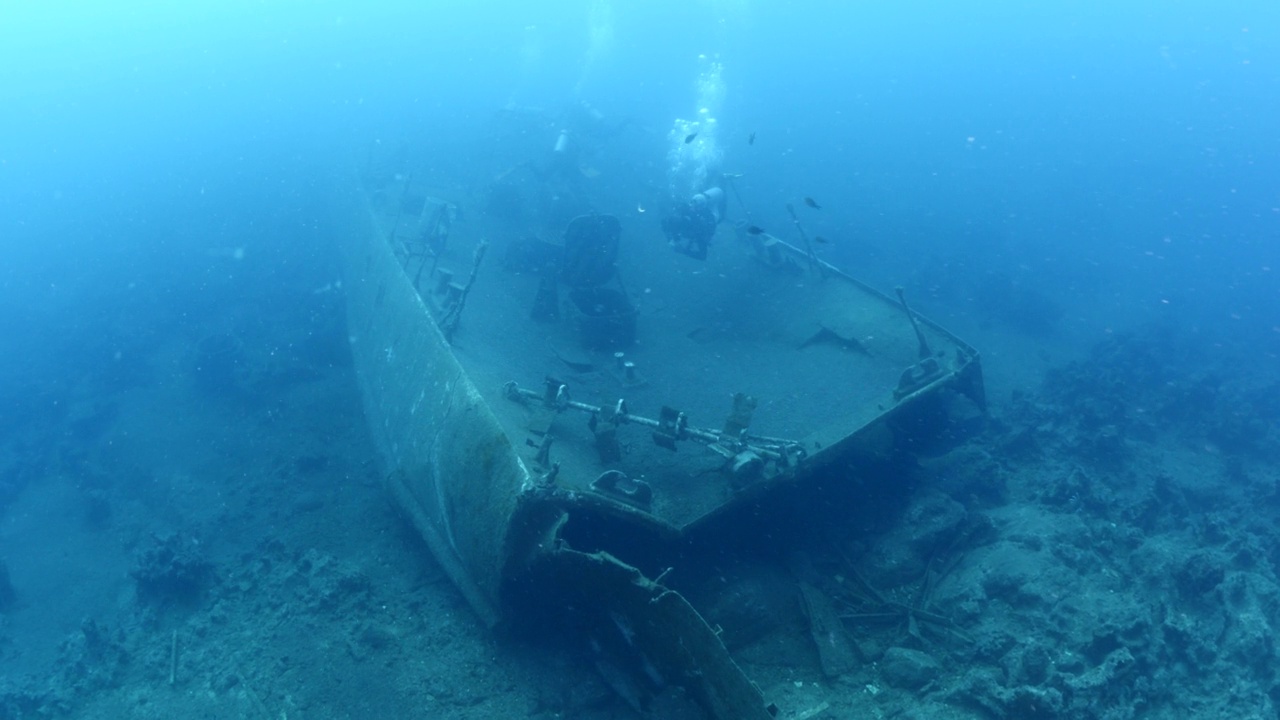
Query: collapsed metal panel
[659,626]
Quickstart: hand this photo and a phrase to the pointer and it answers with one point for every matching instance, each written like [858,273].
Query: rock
[909,669]
[329,583]
[92,659]
[934,520]
[928,526]
[171,569]
[1028,663]
[1112,671]
[1199,574]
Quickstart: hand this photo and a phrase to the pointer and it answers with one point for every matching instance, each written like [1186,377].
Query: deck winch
[747,456]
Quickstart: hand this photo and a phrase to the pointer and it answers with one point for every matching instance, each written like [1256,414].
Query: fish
[751,139]
[755,230]
[689,138]
[821,240]
[812,203]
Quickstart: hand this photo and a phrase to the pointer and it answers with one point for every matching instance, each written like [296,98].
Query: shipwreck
[560,407]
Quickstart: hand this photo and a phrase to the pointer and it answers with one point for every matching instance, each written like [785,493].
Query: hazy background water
[1116,163]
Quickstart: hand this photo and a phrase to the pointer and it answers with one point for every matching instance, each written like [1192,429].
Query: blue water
[1037,175]
[1128,150]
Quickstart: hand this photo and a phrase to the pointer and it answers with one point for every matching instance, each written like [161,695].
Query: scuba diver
[691,226]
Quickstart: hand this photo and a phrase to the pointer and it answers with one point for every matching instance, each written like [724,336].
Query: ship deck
[821,355]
